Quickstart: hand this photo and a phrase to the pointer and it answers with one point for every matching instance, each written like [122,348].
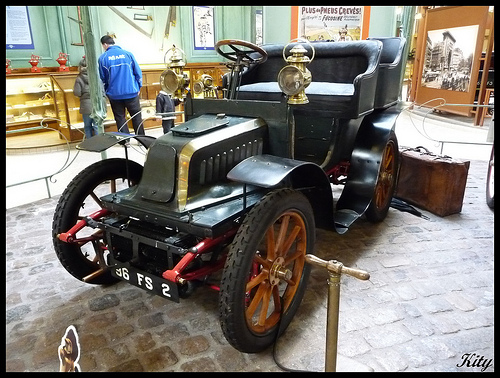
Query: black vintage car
[231,197]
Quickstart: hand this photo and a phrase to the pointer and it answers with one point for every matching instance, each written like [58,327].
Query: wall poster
[18,28]
[330,23]
[449,55]
[203,25]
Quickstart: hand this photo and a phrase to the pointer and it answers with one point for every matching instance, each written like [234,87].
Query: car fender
[102,142]
[371,139]
[269,171]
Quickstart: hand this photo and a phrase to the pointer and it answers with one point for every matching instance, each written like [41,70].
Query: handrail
[443,103]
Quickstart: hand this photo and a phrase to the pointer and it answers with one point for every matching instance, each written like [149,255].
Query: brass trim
[200,142]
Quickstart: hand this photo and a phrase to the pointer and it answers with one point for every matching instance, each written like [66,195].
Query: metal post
[92,52]
[335,269]
[332,322]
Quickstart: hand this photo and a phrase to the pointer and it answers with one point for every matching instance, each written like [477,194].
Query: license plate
[149,282]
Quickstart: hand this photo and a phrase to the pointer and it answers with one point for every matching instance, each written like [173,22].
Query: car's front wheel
[81,257]
[266,274]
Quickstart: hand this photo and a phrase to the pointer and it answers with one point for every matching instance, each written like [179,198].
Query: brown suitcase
[431,182]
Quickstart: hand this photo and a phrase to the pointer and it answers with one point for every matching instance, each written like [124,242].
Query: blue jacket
[120,73]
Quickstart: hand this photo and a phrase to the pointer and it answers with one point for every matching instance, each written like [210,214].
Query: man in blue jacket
[122,78]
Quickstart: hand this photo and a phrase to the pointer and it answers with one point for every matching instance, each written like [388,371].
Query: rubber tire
[377,212]
[490,197]
[239,263]
[69,205]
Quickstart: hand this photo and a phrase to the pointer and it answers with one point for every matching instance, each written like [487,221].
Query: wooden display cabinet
[150,89]
[215,70]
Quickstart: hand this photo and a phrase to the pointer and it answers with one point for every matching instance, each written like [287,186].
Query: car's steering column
[240,57]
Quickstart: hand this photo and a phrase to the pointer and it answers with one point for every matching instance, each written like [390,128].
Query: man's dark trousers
[133,106]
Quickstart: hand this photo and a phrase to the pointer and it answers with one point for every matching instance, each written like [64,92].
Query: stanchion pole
[335,269]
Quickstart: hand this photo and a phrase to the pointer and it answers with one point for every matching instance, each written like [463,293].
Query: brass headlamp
[294,78]
[205,86]
[173,80]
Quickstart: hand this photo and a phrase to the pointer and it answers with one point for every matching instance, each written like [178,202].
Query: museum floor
[428,306]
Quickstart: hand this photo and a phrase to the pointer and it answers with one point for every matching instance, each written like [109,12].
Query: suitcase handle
[427,152]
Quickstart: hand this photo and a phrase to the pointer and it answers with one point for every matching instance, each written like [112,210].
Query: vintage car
[231,197]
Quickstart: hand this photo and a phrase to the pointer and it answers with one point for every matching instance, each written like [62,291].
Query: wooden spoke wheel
[81,257]
[265,275]
[386,182]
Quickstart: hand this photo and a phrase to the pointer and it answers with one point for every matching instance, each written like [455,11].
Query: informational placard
[18,28]
[203,25]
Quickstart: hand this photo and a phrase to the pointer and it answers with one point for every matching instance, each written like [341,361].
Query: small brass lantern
[173,80]
[205,87]
[294,78]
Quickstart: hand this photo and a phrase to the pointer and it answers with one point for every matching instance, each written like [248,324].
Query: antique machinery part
[335,269]
[205,86]
[173,80]
[279,272]
[62,59]
[35,59]
[294,78]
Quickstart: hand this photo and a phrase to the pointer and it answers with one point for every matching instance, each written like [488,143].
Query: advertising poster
[330,23]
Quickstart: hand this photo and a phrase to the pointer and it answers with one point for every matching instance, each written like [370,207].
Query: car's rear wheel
[386,182]
[81,198]
[266,274]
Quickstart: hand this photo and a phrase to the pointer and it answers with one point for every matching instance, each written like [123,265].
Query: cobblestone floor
[428,305]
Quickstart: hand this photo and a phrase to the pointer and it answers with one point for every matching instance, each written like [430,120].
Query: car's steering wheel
[241,56]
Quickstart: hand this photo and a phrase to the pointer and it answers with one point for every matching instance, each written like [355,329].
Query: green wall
[47,38]
[277,32]
[54,30]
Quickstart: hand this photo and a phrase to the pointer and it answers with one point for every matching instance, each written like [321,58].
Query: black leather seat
[344,78]
[390,74]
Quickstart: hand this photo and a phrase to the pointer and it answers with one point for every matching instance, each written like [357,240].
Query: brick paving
[428,305]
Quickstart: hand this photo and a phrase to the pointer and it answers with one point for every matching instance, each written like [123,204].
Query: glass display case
[67,107]
[28,99]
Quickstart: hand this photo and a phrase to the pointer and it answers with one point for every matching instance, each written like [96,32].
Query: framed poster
[448,57]
[258,27]
[203,28]
[330,23]
[18,28]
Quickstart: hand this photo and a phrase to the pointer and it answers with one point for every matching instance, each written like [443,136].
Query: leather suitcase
[432,182]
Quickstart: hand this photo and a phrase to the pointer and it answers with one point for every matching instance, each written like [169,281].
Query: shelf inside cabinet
[29,99]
